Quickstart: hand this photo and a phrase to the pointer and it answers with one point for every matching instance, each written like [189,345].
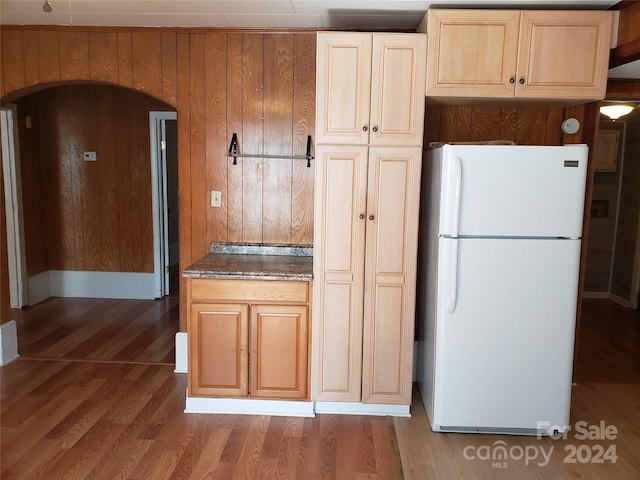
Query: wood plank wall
[259,85]
[87,216]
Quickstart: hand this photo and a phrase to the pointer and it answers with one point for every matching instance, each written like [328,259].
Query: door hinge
[163,145]
[166,270]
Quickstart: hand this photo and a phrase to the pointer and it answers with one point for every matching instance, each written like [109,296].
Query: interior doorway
[13,204]
[164,169]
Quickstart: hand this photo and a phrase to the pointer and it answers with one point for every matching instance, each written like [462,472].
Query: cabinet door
[564,54]
[279,351]
[218,353]
[343,81]
[397,88]
[472,53]
[340,203]
[390,274]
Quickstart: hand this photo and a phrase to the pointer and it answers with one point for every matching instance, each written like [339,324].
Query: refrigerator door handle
[457,172]
[453,281]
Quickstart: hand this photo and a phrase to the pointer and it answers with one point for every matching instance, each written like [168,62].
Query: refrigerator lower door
[504,354]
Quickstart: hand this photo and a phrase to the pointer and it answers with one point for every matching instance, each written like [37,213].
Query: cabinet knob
[365,128]
[371,217]
[512,80]
[361,216]
[521,81]
[375,128]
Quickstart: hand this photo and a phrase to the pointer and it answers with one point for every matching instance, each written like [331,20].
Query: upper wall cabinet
[523,54]
[373,85]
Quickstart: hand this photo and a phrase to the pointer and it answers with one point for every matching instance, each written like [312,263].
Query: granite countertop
[254,262]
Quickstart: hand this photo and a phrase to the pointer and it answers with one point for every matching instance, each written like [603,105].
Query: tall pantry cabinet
[369,128]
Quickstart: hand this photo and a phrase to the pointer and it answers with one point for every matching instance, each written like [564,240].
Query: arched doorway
[87,195]
[87,191]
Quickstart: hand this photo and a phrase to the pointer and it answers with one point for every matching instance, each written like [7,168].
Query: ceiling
[312,14]
[356,14]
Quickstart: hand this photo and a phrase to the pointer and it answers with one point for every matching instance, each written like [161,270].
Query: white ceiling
[351,14]
[357,14]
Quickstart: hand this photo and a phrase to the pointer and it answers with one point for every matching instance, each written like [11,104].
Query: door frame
[159,200]
[18,287]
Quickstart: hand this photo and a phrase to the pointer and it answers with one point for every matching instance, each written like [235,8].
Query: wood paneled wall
[259,85]
[92,216]
[525,126]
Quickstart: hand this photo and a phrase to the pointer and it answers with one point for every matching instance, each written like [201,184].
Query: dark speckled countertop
[254,261]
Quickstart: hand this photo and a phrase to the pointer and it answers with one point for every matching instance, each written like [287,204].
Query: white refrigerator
[500,240]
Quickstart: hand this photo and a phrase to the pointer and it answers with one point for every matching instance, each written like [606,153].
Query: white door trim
[13,205]
[159,201]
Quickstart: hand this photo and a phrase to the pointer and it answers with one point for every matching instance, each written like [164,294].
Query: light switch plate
[216,199]
[89,156]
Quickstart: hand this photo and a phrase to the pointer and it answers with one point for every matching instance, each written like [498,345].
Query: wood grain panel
[530,126]
[508,119]
[216,132]
[144,178]
[169,65]
[37,241]
[123,158]
[88,215]
[485,124]
[103,57]
[197,101]
[146,55]
[184,165]
[125,60]
[304,86]
[106,144]
[13,75]
[456,124]
[278,120]
[30,49]
[234,125]
[251,140]
[49,56]
[74,55]
[553,133]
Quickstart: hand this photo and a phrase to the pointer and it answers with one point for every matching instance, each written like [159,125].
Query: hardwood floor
[609,348]
[113,415]
[99,330]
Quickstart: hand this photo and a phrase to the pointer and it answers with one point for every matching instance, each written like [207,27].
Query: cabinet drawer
[248,290]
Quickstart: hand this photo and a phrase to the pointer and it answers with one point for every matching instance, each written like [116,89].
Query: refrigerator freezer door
[504,357]
[513,191]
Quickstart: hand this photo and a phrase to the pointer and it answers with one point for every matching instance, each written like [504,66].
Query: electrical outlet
[216,199]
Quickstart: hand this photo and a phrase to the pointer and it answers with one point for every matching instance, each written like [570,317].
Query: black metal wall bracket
[233,152]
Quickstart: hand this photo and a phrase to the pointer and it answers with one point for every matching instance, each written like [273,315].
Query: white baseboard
[8,342]
[127,285]
[355,408]
[38,287]
[595,295]
[619,300]
[182,357]
[249,406]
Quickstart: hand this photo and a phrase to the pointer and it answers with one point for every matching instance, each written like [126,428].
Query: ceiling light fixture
[616,111]
[46,7]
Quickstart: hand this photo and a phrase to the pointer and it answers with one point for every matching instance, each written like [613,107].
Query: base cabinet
[255,348]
